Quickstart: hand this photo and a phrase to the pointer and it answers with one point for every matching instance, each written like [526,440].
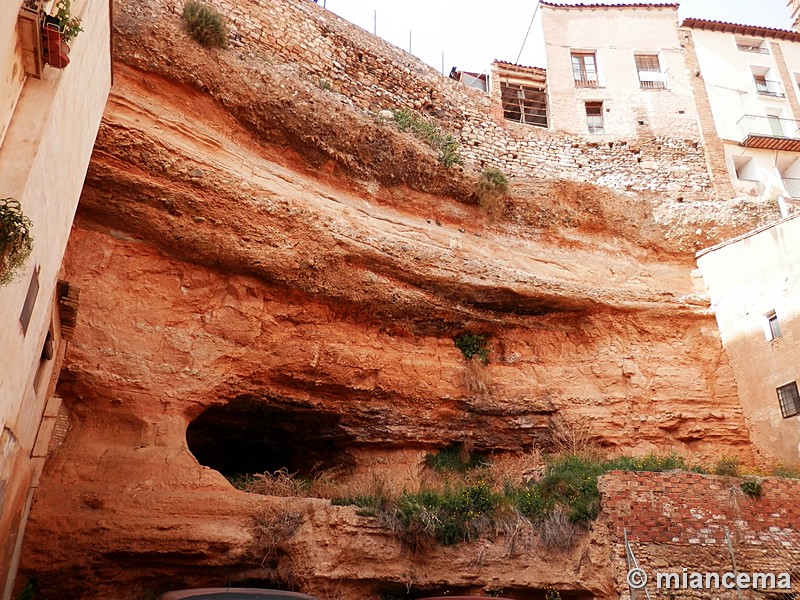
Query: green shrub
[728,466]
[16,241]
[452,515]
[205,24]
[473,346]
[751,487]
[455,459]
[444,143]
[564,500]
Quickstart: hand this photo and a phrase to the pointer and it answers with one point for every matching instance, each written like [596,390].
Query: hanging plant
[16,241]
[69,24]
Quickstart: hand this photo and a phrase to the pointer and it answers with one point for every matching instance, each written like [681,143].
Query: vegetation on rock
[444,143]
[491,189]
[473,346]
[205,24]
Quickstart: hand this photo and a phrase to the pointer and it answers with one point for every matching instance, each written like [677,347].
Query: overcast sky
[472,33]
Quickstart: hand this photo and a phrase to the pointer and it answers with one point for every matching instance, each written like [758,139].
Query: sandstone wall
[376,75]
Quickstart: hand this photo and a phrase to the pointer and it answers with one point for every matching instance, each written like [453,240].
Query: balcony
[772,133]
[757,48]
[792,187]
[652,80]
[770,88]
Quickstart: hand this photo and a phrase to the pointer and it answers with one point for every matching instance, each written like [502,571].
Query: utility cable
[535,10]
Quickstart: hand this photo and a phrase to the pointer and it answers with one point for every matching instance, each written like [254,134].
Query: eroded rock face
[230,283]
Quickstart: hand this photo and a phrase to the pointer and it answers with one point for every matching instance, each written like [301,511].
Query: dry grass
[271,530]
[556,532]
[517,468]
[571,438]
[477,379]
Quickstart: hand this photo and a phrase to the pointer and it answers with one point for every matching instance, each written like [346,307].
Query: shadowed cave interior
[257,435]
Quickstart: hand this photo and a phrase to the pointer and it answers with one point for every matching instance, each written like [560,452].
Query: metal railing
[770,88]
[753,48]
[769,127]
[652,80]
[792,186]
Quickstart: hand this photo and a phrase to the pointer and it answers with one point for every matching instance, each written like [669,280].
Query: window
[751,45]
[524,104]
[745,167]
[789,399]
[594,117]
[766,85]
[772,329]
[649,70]
[30,301]
[584,69]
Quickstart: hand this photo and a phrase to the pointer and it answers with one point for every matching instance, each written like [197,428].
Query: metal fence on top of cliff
[399,33]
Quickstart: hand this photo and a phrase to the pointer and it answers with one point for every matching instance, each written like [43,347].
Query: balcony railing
[652,80]
[773,133]
[753,48]
[770,88]
[792,187]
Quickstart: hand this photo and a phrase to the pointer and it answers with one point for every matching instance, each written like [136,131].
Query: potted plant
[16,241]
[69,24]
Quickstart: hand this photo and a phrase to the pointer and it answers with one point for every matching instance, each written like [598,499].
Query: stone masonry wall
[376,75]
[685,520]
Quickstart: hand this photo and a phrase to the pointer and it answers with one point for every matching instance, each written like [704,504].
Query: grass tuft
[205,24]
[444,143]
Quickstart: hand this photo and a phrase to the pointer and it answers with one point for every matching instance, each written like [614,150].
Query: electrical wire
[535,10]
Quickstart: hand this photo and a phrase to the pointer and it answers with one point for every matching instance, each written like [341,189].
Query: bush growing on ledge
[751,487]
[16,241]
[205,24]
[491,189]
[445,143]
[456,458]
[473,346]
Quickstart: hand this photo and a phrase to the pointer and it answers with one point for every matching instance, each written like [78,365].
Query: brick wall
[376,75]
[677,520]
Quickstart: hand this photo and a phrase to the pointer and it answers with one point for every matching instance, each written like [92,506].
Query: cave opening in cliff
[257,435]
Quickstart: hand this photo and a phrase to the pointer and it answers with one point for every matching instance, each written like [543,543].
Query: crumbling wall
[376,75]
[701,523]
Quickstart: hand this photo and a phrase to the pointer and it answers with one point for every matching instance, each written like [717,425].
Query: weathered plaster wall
[615,35]
[12,75]
[43,162]
[748,278]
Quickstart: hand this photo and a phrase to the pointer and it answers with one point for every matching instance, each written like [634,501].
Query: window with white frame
[789,399]
[772,328]
[648,67]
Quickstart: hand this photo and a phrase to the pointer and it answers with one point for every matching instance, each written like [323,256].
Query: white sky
[472,33]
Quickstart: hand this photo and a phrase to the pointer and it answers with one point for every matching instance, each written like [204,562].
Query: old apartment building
[617,71]
[750,80]
[49,118]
